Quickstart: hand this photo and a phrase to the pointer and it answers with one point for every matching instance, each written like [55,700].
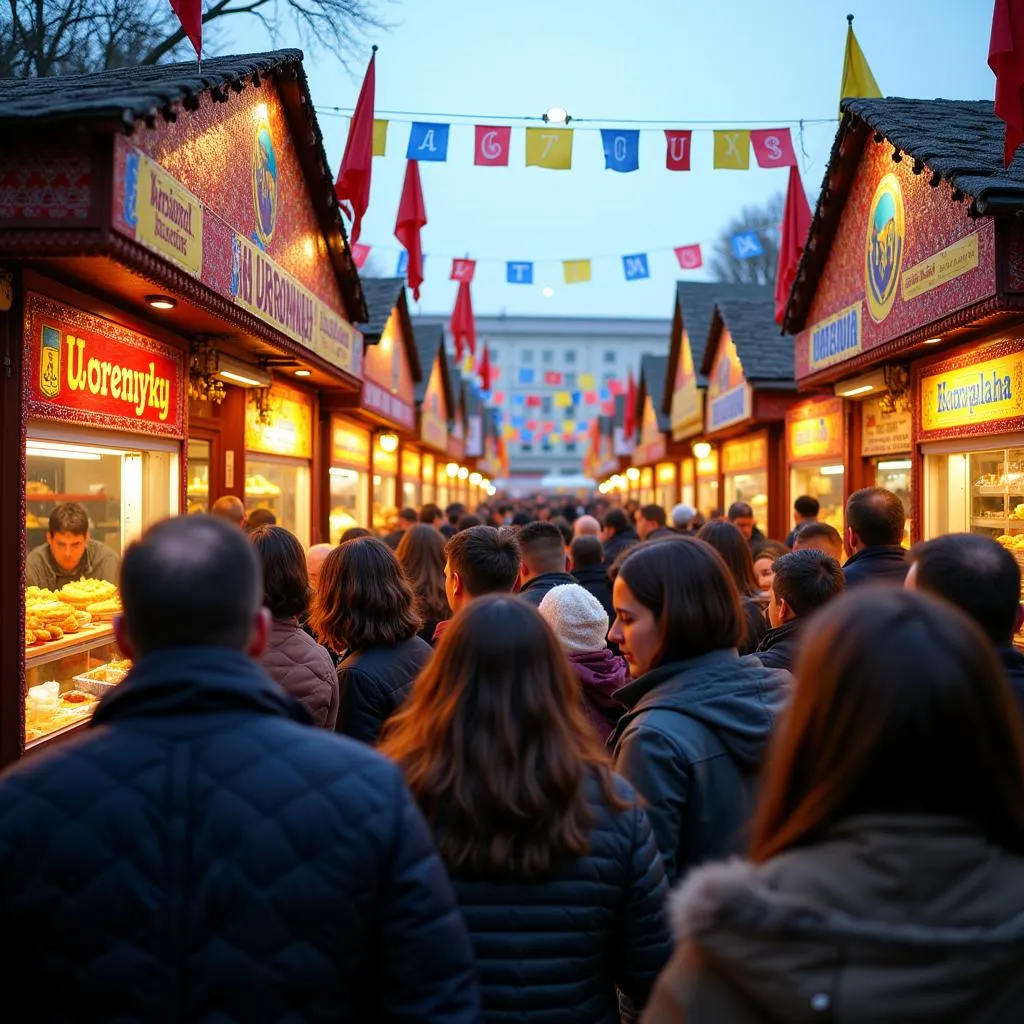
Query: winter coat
[755,623]
[614,546]
[692,743]
[537,588]
[1013,663]
[553,952]
[881,564]
[300,666]
[661,533]
[601,674]
[779,646]
[888,919]
[594,580]
[98,563]
[375,683]
[202,853]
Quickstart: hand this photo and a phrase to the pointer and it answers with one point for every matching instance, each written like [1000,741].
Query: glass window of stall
[411,479]
[665,485]
[688,493]
[348,477]
[429,479]
[815,447]
[647,485]
[384,511]
[886,443]
[708,499]
[745,469]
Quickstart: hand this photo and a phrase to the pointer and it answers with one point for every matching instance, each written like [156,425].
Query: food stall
[168,252]
[434,405]
[456,473]
[909,300]
[655,454]
[816,456]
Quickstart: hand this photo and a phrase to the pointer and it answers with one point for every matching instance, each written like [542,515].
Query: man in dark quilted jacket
[201,853]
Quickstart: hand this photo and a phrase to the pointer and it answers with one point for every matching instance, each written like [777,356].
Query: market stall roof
[957,141]
[116,100]
[429,337]
[765,355]
[384,294]
[652,382]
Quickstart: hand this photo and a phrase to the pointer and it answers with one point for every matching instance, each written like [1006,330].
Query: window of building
[570,446]
[569,379]
[608,378]
[527,355]
[545,406]
[609,355]
[526,448]
[547,357]
[570,355]
[545,445]
[493,353]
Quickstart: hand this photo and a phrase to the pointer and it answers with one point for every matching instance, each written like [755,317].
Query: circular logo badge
[883,248]
[264,183]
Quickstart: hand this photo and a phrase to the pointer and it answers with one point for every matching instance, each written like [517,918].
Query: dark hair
[496,748]
[543,547]
[453,511]
[727,540]
[768,549]
[740,510]
[410,515]
[285,578]
[615,519]
[420,552]
[806,580]
[976,574]
[691,593]
[192,581]
[363,598]
[354,532]
[821,531]
[486,558]
[887,684]
[613,569]
[430,512]
[653,514]
[585,551]
[564,527]
[876,516]
[806,506]
[521,519]
[69,517]
[260,517]
[468,520]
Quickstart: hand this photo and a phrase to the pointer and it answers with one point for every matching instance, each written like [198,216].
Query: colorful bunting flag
[617,387]
[549,147]
[463,324]
[463,270]
[519,399]
[773,147]
[380,137]
[590,397]
[732,150]
[492,145]
[677,150]
[412,218]
[605,393]
[621,149]
[587,380]
[746,245]
[352,186]
[689,257]
[552,377]
[562,400]
[360,254]
[428,141]
[533,401]
[484,366]
[519,273]
[549,425]
[402,267]
[525,376]
[630,417]
[510,432]
[555,439]
[575,271]
[499,397]
[532,425]
[495,374]
[635,267]
[568,426]
[575,397]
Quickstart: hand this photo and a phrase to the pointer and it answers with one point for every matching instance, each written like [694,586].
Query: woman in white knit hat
[581,625]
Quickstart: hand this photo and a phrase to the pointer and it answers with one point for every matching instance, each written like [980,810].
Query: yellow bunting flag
[549,147]
[857,78]
[732,150]
[555,438]
[574,271]
[510,431]
[587,381]
[562,399]
[380,137]
[568,426]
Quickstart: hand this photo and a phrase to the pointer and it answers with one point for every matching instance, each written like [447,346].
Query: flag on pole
[190,14]
[1006,59]
[463,324]
[630,417]
[412,218]
[857,78]
[484,369]
[796,222]
[353,185]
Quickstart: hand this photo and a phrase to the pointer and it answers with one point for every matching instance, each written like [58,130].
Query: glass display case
[824,483]
[198,491]
[345,487]
[282,486]
[894,475]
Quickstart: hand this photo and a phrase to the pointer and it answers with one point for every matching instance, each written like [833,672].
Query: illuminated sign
[952,262]
[168,218]
[836,338]
[983,393]
[289,429]
[433,415]
[729,398]
[815,430]
[743,456]
[350,445]
[685,417]
[883,433]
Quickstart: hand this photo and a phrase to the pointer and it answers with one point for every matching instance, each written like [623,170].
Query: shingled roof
[956,141]
[382,295]
[766,355]
[652,382]
[429,338]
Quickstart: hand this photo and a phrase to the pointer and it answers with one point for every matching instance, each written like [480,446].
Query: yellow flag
[549,147]
[732,150]
[587,381]
[562,400]
[857,78]
[555,438]
[380,137]
[568,426]
[510,431]
[575,271]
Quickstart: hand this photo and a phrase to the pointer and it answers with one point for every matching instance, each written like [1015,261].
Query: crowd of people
[539,762]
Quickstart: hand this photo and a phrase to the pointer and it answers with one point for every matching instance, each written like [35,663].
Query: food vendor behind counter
[68,553]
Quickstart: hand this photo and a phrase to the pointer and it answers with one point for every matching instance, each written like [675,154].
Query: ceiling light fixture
[161,301]
[238,378]
[388,441]
[303,373]
[932,341]
[702,449]
[866,384]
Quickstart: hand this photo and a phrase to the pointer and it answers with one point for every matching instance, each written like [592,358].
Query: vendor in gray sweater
[68,553]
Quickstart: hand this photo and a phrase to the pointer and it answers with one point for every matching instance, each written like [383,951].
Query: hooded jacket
[535,589]
[202,853]
[601,675]
[888,919]
[299,665]
[692,743]
[779,645]
[883,563]
[614,546]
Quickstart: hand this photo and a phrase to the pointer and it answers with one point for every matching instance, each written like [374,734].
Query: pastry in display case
[997,491]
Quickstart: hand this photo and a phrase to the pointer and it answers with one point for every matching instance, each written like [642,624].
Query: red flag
[412,217]
[552,377]
[773,147]
[463,270]
[1006,59]
[492,146]
[353,185]
[360,254]
[677,150]
[630,423]
[484,369]
[463,324]
[796,222]
[190,14]
[689,256]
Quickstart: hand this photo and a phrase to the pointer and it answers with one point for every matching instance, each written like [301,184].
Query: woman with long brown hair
[552,859]
[886,873]
[421,554]
[365,609]
[727,540]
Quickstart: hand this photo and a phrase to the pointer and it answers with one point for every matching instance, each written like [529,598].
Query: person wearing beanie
[683,517]
[581,625]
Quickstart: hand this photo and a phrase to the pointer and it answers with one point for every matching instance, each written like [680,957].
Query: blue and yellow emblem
[264,182]
[49,362]
[883,249]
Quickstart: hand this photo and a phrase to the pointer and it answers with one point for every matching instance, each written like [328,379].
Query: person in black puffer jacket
[202,852]
[553,860]
[364,605]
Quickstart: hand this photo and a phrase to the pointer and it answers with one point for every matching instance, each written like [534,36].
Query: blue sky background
[677,61]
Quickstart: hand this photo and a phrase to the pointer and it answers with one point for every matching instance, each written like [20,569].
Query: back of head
[363,598]
[807,580]
[430,513]
[727,540]
[653,514]
[586,526]
[976,574]
[691,593]
[564,528]
[453,511]
[285,577]
[876,516]
[315,559]
[353,533]
[585,552]
[190,582]
[682,516]
[740,510]
[230,508]
[616,520]
[889,685]
[260,517]
[806,506]
[521,519]
[421,554]
[576,617]
[821,536]
[495,747]
[467,521]
[543,547]
[486,558]
[409,515]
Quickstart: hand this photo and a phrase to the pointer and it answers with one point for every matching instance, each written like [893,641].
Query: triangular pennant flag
[796,222]
[463,324]
[858,81]
[412,218]
[353,185]
[190,14]
[484,368]
[1006,59]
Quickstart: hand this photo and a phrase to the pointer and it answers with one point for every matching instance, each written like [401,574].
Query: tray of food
[99,679]
[48,617]
[98,598]
[47,710]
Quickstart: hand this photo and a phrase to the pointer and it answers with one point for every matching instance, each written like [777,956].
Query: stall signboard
[385,463]
[983,391]
[433,414]
[904,256]
[881,432]
[350,445]
[815,431]
[287,427]
[474,435]
[652,445]
[168,218]
[646,478]
[729,395]
[387,377]
[687,415]
[744,455]
[457,435]
[86,370]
